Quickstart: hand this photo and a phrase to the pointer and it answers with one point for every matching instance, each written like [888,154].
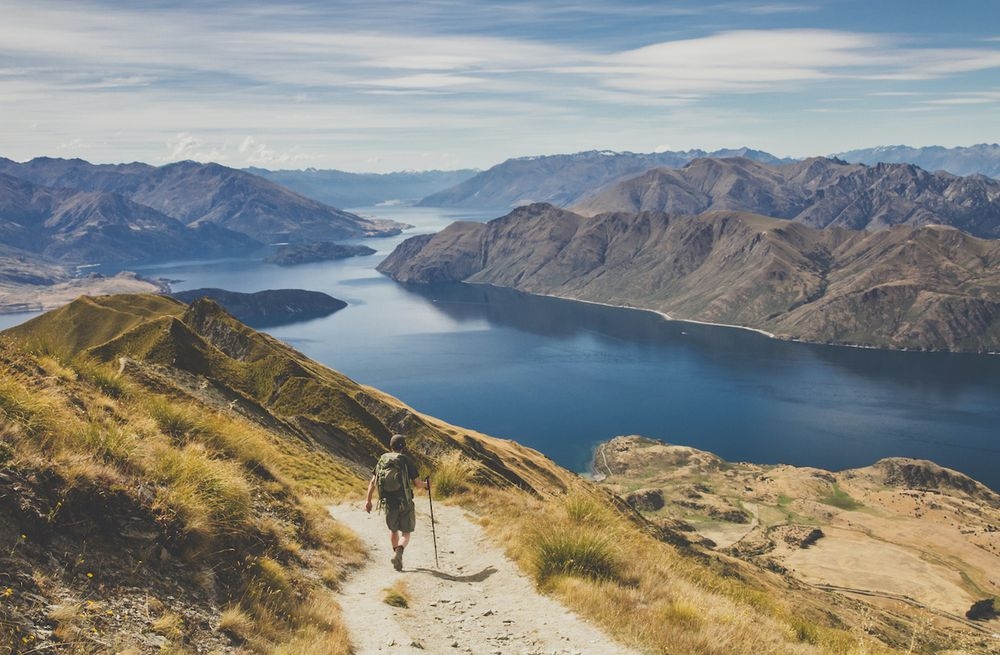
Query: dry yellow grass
[646,592]
[211,474]
[398,595]
[170,625]
[453,473]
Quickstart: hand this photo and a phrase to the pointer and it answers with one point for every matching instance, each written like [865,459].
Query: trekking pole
[433,532]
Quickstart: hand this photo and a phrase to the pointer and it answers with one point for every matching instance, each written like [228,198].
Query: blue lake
[561,376]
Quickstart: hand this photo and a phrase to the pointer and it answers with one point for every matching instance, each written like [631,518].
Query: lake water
[561,376]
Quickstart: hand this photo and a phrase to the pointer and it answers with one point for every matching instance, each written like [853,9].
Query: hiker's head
[398,442]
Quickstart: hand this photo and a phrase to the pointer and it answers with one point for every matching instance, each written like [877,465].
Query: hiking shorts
[401,517]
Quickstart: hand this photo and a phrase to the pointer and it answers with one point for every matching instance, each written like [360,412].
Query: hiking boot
[397,559]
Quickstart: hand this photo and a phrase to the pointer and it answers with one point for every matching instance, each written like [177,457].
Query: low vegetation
[398,595]
[164,491]
[609,565]
[453,473]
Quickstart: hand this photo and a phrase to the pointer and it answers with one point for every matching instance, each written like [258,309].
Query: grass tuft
[110,383]
[569,551]
[169,625]
[398,595]
[453,474]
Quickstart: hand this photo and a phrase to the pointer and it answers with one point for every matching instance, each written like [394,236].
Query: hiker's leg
[404,540]
[394,538]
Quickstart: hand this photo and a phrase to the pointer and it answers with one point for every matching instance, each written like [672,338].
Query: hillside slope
[908,531]
[928,287]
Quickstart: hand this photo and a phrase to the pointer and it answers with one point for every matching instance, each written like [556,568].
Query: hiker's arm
[421,484]
[371,490]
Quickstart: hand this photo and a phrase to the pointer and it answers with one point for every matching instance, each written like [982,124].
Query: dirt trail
[477,602]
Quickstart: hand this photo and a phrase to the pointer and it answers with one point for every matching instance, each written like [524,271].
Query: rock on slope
[905,287]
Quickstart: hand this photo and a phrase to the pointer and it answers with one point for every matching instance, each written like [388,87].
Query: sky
[386,85]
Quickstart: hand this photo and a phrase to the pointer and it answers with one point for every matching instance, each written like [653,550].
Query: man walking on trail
[395,475]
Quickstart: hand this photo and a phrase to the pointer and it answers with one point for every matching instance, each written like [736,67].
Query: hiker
[395,475]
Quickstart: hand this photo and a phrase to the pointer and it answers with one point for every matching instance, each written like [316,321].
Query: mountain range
[85,226]
[564,179]
[201,194]
[343,189]
[982,158]
[926,287]
[819,192]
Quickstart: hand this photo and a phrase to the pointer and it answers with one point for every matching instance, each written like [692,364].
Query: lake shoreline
[769,335]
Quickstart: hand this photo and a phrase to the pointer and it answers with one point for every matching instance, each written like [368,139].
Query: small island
[269,307]
[322,251]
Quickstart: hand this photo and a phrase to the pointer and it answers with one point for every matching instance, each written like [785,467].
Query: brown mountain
[198,194]
[929,287]
[818,192]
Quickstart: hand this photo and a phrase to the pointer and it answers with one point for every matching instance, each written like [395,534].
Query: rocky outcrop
[919,474]
[646,500]
[930,287]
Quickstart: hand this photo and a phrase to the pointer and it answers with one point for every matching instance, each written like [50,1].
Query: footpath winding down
[477,601]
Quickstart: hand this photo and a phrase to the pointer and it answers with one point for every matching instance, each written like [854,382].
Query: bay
[561,376]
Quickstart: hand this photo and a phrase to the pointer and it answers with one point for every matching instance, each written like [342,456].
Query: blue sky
[387,85]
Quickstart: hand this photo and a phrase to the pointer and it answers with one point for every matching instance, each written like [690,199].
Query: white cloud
[125,80]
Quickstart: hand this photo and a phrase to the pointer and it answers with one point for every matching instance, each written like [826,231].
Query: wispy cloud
[198,83]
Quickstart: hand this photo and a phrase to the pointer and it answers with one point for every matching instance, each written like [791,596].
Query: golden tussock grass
[453,473]
[648,593]
[213,474]
[169,625]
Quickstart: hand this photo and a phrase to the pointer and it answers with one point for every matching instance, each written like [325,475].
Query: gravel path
[478,601]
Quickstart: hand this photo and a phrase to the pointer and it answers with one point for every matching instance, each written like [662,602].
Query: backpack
[391,478]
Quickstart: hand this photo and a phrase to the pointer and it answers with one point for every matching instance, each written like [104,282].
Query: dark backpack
[392,478]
